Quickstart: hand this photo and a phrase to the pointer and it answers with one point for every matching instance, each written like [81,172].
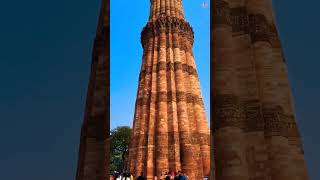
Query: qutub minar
[254,134]
[170,129]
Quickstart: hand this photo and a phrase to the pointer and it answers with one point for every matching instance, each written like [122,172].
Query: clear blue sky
[45,54]
[127,20]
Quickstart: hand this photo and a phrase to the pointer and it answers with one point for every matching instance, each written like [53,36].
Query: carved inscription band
[168,25]
[169,66]
[279,124]
[251,117]
[193,138]
[228,112]
[170,96]
[244,23]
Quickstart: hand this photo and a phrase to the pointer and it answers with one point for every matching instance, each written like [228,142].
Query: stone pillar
[145,105]
[162,151]
[150,170]
[277,143]
[176,8]
[183,124]
[285,98]
[229,135]
[191,111]
[94,143]
[158,8]
[167,7]
[201,131]
[163,7]
[133,152]
[256,150]
[172,9]
[177,128]
[174,146]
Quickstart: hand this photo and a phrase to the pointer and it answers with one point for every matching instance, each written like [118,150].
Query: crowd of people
[180,175]
[121,176]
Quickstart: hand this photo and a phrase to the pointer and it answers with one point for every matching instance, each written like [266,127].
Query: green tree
[119,144]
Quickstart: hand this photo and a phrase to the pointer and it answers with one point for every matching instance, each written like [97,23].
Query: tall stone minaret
[255,132]
[93,162]
[170,129]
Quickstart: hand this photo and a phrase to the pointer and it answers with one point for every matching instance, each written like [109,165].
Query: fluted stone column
[174,148]
[170,129]
[254,57]
[150,169]
[229,135]
[256,149]
[94,150]
[272,111]
[287,102]
[201,130]
[162,149]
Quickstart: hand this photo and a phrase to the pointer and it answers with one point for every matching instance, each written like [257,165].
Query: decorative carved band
[254,120]
[221,12]
[169,66]
[243,23]
[259,28]
[251,117]
[279,124]
[274,126]
[166,24]
[192,138]
[228,112]
[240,20]
[170,96]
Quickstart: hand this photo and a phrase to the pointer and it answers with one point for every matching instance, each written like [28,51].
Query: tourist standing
[141,177]
[167,177]
[183,177]
[161,177]
[176,177]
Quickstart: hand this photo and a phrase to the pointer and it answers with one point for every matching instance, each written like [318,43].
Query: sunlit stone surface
[170,129]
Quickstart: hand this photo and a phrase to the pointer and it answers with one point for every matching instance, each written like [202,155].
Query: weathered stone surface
[255,135]
[93,161]
[177,130]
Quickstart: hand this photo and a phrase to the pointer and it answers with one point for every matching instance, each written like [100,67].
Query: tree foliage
[119,144]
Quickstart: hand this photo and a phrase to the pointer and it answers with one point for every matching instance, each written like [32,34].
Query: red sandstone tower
[255,132]
[170,129]
[93,162]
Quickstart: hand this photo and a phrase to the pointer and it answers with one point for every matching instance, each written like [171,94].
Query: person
[141,177]
[172,173]
[116,177]
[124,176]
[167,176]
[176,177]
[161,177]
[111,177]
[131,176]
[187,177]
[183,177]
[128,175]
[155,177]
[179,175]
